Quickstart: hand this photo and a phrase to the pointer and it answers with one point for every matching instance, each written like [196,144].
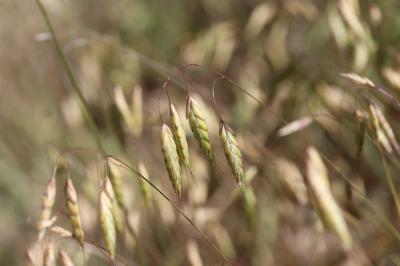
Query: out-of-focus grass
[289,54]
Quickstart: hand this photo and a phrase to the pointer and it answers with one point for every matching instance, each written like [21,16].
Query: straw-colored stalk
[232,152]
[171,158]
[328,209]
[48,200]
[107,222]
[199,128]
[71,199]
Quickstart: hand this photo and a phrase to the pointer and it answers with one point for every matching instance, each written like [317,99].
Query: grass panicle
[327,207]
[199,128]
[232,152]
[107,220]
[71,199]
[116,181]
[171,158]
[118,214]
[376,130]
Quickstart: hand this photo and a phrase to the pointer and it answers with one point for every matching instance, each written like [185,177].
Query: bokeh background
[288,54]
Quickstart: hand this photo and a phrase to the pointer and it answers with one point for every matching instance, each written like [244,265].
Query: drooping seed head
[71,199]
[171,158]
[117,212]
[199,128]
[107,222]
[377,131]
[232,152]
[180,137]
[116,181]
[327,207]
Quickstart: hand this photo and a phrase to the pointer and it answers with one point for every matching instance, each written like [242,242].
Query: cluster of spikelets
[176,151]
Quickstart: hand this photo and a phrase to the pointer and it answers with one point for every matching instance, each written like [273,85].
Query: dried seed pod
[327,207]
[171,158]
[64,259]
[180,137]
[48,200]
[199,128]
[107,222]
[144,186]
[71,199]
[232,152]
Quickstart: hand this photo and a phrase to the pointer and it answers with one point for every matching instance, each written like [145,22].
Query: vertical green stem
[84,105]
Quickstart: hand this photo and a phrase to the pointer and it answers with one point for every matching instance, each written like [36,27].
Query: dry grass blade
[71,199]
[48,200]
[64,259]
[171,158]
[328,209]
[144,187]
[180,137]
[376,130]
[107,221]
[199,128]
[232,152]
[387,129]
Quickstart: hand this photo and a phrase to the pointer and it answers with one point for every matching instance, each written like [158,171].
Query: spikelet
[171,158]
[232,152]
[199,128]
[107,221]
[118,214]
[48,200]
[180,137]
[144,187]
[387,129]
[116,181]
[64,259]
[327,207]
[71,199]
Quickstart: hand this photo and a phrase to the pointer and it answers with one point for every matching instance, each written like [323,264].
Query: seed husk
[232,152]
[171,158]
[71,199]
[107,222]
[180,137]
[327,207]
[199,128]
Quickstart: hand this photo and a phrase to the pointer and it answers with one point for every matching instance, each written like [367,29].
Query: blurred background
[287,54]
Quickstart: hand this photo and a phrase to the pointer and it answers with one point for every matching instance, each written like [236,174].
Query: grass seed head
[199,128]
[116,181]
[71,199]
[232,152]
[180,137]
[118,213]
[48,200]
[376,130]
[107,222]
[171,158]
[328,209]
